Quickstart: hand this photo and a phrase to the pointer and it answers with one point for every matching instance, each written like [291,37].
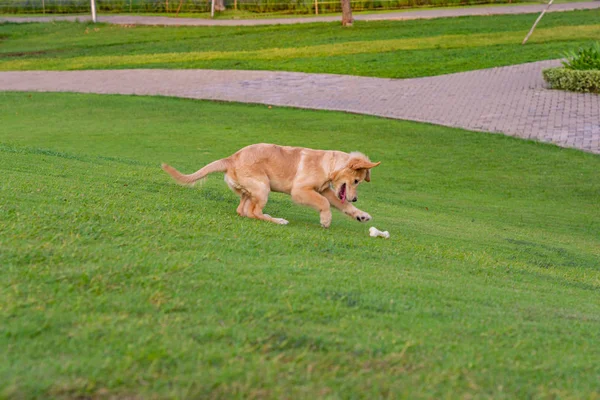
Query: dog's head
[345,182]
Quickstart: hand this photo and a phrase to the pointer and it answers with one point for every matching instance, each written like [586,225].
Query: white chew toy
[374,232]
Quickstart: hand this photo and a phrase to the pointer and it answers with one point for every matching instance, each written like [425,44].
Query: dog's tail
[215,166]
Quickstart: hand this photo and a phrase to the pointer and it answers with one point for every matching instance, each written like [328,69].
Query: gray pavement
[415,14]
[510,100]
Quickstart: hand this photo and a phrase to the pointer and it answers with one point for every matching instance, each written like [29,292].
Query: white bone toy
[374,232]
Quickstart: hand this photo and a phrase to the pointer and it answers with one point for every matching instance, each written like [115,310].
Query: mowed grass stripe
[339,49]
[64,36]
[391,49]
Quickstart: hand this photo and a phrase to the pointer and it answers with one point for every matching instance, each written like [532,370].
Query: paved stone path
[415,14]
[511,100]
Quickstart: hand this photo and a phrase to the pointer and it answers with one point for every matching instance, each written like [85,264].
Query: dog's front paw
[363,217]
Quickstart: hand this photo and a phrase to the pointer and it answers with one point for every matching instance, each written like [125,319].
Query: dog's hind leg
[259,195]
[244,203]
[258,214]
[242,209]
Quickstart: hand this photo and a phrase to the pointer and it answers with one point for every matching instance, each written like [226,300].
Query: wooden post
[212,8]
[536,22]
[43,7]
[235,5]
[93,7]
[316,7]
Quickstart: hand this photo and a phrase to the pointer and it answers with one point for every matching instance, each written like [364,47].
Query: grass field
[397,49]
[117,282]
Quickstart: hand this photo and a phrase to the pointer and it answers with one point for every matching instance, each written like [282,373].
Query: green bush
[573,79]
[583,59]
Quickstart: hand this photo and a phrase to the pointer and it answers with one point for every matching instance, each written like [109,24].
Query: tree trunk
[219,5]
[346,13]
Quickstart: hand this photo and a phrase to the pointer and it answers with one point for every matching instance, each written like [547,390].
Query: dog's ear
[368,176]
[359,163]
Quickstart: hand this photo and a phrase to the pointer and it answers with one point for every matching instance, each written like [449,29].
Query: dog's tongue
[343,193]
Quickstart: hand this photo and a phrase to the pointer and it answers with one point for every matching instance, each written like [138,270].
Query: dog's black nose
[354,200]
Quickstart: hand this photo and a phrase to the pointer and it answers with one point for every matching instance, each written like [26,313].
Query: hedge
[574,80]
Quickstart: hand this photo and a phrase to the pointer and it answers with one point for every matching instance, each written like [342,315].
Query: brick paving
[405,15]
[510,100]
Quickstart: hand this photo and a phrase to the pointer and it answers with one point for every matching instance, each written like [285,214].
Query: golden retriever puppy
[316,178]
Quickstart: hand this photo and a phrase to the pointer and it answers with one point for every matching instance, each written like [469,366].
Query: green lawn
[118,282]
[397,49]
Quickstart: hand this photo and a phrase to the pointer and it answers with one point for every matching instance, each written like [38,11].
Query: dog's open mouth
[342,193]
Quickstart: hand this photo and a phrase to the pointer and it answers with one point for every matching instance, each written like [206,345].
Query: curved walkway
[406,15]
[511,100]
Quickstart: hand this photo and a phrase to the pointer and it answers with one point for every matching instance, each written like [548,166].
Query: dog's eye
[356,181]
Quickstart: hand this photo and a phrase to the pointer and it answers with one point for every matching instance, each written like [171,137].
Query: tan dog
[316,178]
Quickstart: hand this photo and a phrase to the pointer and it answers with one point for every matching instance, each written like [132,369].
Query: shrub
[573,79]
[583,59]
